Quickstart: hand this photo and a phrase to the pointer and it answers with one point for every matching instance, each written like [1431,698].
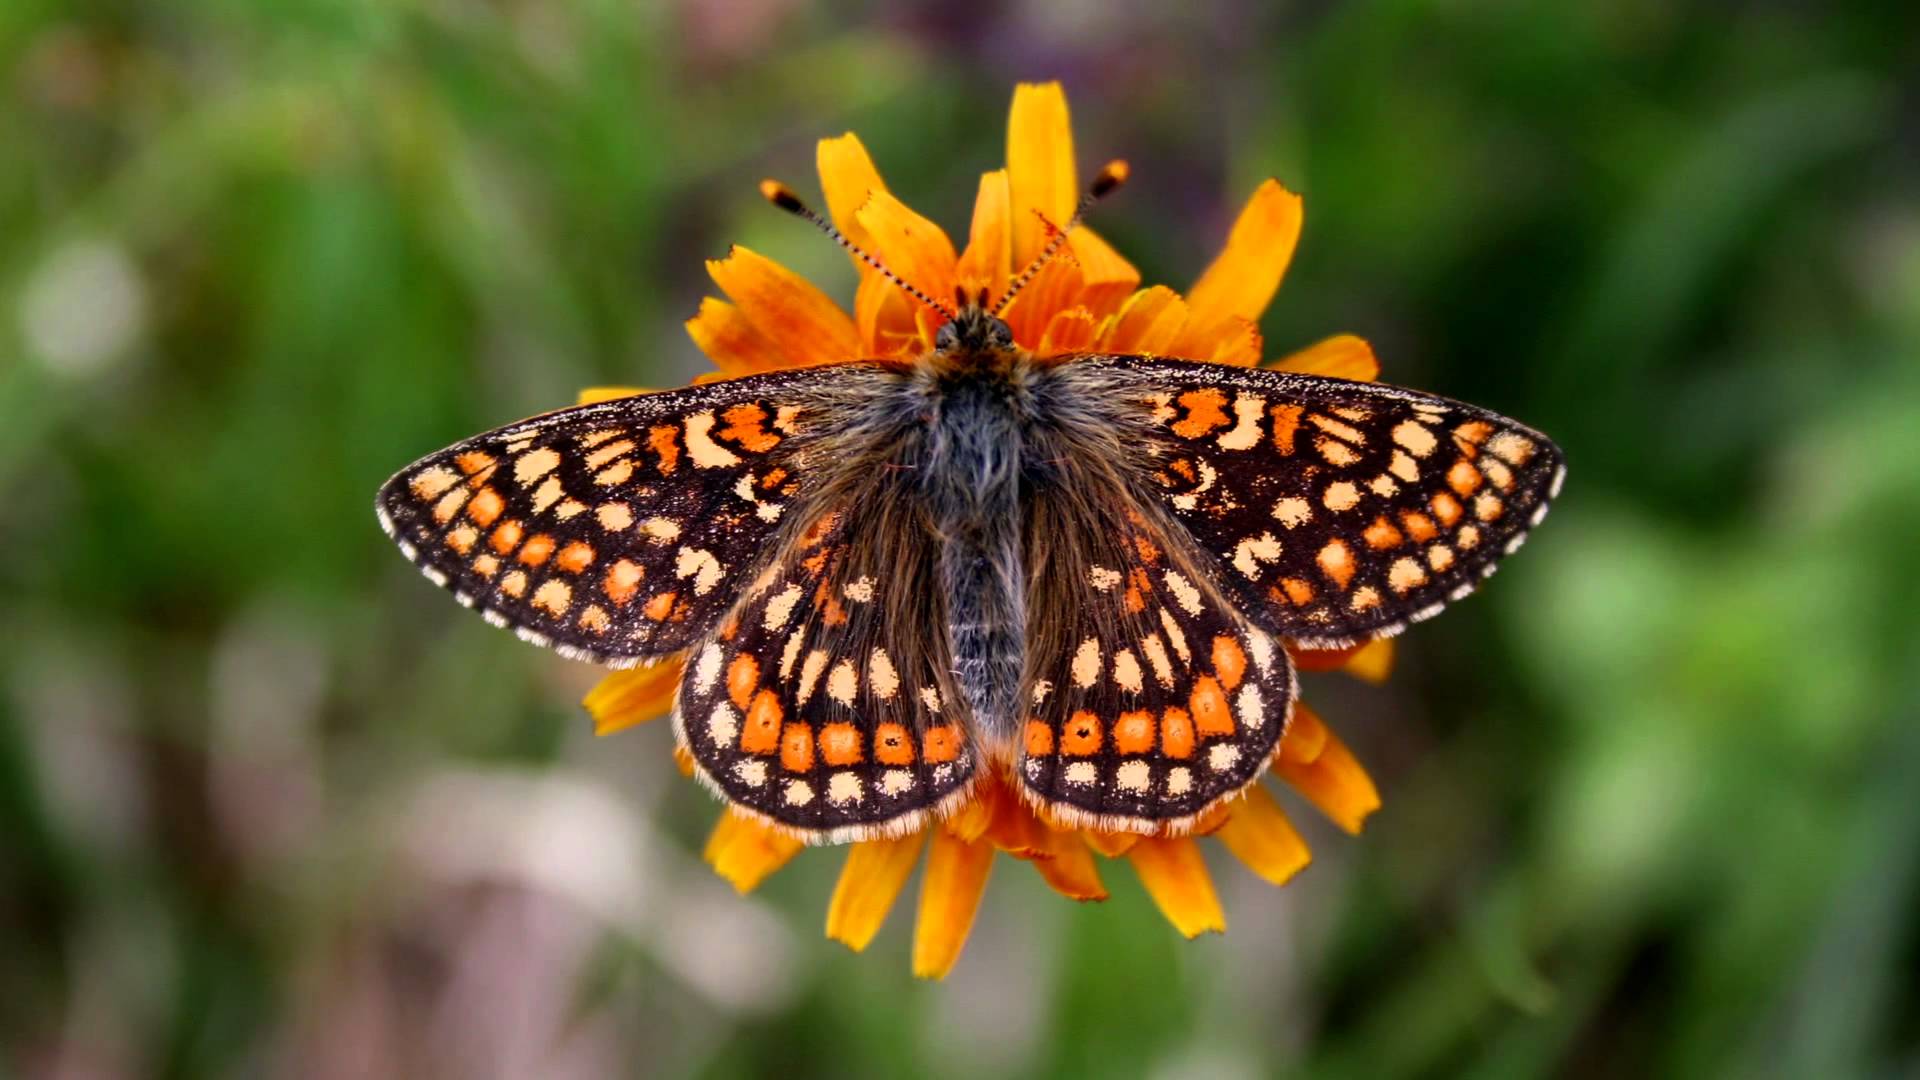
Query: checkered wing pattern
[611,532]
[1339,510]
[825,702]
[1149,698]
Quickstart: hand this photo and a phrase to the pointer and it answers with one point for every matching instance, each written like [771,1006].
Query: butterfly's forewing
[825,702]
[1340,510]
[616,531]
[1148,697]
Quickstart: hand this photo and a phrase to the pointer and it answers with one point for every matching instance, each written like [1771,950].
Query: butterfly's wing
[825,702]
[617,531]
[1149,698]
[1338,510]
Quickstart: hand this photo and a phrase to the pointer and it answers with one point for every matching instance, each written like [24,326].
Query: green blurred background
[270,804]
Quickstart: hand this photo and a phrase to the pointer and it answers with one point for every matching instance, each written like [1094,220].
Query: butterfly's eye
[946,338]
[1001,335]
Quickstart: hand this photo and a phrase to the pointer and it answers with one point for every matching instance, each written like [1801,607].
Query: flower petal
[1176,877]
[1342,356]
[683,761]
[885,318]
[1242,280]
[1053,289]
[988,260]
[1015,830]
[971,820]
[910,245]
[1322,659]
[635,696]
[787,309]
[1040,168]
[847,176]
[1107,279]
[1237,343]
[1260,836]
[1069,331]
[1111,844]
[744,852]
[730,340]
[1148,322]
[1373,662]
[594,395]
[950,892]
[1306,737]
[1333,781]
[874,874]
[1067,865]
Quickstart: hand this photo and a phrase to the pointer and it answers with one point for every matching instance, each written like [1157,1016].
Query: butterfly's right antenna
[783,197]
[1110,178]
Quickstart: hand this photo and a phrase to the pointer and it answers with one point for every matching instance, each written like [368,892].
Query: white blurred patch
[269,676]
[728,947]
[83,307]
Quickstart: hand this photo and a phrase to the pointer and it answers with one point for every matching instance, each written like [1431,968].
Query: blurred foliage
[269,804]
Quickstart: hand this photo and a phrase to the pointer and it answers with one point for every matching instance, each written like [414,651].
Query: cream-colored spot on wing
[844,788]
[881,675]
[1336,561]
[702,566]
[1340,495]
[1383,486]
[810,669]
[1467,538]
[752,772]
[1102,578]
[1440,557]
[706,668]
[430,483]
[1404,467]
[1157,659]
[895,782]
[780,607]
[1222,756]
[548,493]
[1179,780]
[1497,472]
[1415,437]
[1513,449]
[553,597]
[723,724]
[1191,500]
[1184,593]
[514,583]
[1335,451]
[450,504]
[607,453]
[843,683]
[799,793]
[1365,598]
[1081,774]
[661,530]
[1249,708]
[614,516]
[1292,512]
[1174,635]
[791,652]
[705,453]
[1248,554]
[1126,672]
[860,592]
[535,464]
[930,697]
[1040,691]
[1247,410]
[1133,776]
[1405,574]
[1337,429]
[569,508]
[1086,663]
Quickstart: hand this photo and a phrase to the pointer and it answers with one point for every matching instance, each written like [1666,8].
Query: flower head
[1088,299]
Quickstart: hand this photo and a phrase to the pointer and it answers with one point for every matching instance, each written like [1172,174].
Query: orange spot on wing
[1446,508]
[1286,423]
[575,557]
[506,537]
[1209,705]
[761,732]
[796,745]
[1229,661]
[485,507]
[892,745]
[1206,410]
[538,547]
[940,744]
[1474,431]
[742,676]
[1039,738]
[1420,526]
[1176,733]
[659,607]
[665,441]
[1463,478]
[473,461]
[840,744]
[1297,592]
[746,425]
[1133,732]
[1382,535]
[1082,735]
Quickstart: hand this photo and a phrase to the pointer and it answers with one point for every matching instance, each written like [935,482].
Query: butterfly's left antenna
[1110,179]
[783,197]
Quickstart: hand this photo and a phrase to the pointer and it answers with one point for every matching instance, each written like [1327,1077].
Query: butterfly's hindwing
[824,703]
[1148,698]
[1341,510]
[615,531]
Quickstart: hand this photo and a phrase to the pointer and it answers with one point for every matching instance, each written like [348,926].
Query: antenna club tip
[1111,176]
[782,196]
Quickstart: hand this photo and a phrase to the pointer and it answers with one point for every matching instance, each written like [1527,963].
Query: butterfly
[893,578]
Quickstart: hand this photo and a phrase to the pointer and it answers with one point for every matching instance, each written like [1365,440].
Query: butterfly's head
[974,329]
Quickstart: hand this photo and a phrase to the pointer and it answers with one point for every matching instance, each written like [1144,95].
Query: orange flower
[1088,299]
